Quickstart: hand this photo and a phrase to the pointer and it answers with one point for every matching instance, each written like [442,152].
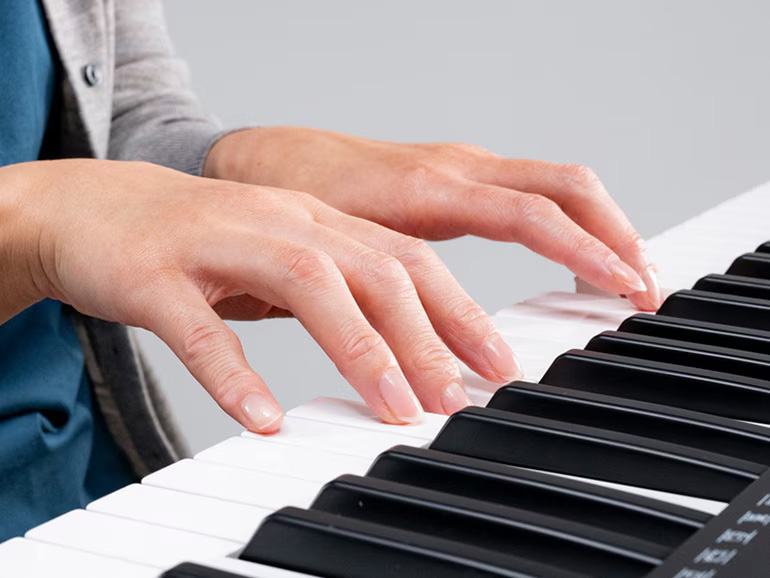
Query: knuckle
[585,245]
[411,250]
[432,357]
[228,387]
[200,340]
[534,209]
[306,266]
[581,178]
[358,341]
[383,268]
[469,321]
[418,175]
[467,148]
[468,313]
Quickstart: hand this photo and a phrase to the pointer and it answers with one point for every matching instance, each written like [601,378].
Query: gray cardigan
[126,96]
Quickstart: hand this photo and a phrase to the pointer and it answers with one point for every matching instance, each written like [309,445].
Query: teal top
[55,451]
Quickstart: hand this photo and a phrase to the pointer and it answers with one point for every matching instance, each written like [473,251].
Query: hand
[441,191]
[154,248]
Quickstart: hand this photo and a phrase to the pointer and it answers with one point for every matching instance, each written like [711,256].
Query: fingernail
[399,397]
[653,287]
[625,274]
[501,358]
[454,398]
[263,413]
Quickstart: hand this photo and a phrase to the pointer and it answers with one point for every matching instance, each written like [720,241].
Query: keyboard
[637,446]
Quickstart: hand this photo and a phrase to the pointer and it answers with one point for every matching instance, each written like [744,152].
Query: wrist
[231,156]
[22,283]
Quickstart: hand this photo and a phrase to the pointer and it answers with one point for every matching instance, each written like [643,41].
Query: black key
[751,265]
[735,285]
[724,394]
[703,431]
[190,570]
[528,535]
[561,447]
[571,500]
[718,308]
[748,364]
[742,338]
[763,248]
[332,546]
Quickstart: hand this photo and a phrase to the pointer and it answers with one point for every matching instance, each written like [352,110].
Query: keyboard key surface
[589,452]
[22,558]
[129,540]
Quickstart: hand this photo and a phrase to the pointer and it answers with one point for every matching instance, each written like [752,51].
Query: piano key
[735,361]
[665,423]
[31,559]
[129,540]
[584,502]
[763,248]
[356,414]
[302,540]
[716,334]
[183,511]
[240,568]
[192,570]
[282,460]
[751,265]
[530,535]
[712,507]
[550,445]
[234,484]
[718,308]
[703,390]
[329,437]
[735,285]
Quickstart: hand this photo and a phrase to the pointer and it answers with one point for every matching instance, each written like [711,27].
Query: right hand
[150,247]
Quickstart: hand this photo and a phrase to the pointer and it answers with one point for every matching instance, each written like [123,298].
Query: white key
[22,558]
[248,569]
[283,460]
[335,438]
[234,484]
[128,539]
[355,414]
[199,514]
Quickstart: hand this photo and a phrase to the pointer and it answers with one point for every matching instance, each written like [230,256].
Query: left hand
[442,191]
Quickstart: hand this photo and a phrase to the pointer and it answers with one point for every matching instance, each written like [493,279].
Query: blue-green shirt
[55,451]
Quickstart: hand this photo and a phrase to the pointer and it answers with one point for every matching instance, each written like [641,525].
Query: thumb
[213,354]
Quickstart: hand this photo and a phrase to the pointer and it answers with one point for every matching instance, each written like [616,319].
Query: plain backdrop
[667,101]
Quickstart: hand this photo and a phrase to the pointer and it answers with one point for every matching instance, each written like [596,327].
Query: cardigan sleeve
[156,117]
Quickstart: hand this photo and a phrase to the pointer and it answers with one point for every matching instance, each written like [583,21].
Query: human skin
[444,190]
[153,248]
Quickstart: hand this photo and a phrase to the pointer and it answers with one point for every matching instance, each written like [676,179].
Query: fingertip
[262,413]
[501,359]
[624,274]
[652,299]
[399,399]
[454,398]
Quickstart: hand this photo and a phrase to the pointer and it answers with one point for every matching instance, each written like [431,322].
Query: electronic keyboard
[638,446]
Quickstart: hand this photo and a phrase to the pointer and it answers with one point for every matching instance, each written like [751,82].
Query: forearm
[21,281]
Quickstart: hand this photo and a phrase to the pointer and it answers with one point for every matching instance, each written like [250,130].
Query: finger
[307,282]
[213,354]
[583,197]
[386,294]
[539,223]
[460,322]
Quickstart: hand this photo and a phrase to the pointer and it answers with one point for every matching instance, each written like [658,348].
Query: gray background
[667,101]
